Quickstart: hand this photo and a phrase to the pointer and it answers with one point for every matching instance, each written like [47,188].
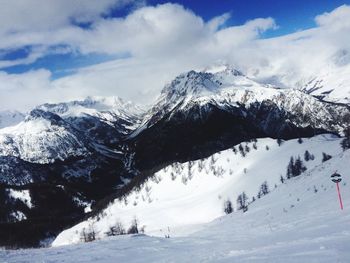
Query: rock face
[85,153]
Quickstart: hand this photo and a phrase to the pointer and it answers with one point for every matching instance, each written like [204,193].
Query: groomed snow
[294,223]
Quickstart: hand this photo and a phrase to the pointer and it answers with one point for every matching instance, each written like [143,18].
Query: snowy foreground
[299,221]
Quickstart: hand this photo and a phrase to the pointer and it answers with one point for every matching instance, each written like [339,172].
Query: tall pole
[339,196]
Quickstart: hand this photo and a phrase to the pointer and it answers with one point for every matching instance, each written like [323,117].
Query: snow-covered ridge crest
[228,88]
[53,132]
[42,137]
[93,105]
[10,118]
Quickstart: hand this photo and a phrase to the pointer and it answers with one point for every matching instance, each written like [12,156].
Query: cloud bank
[160,42]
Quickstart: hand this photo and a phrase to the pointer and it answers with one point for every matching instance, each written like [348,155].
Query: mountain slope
[182,197]
[10,118]
[287,225]
[94,151]
[67,157]
[331,83]
[211,112]
[41,138]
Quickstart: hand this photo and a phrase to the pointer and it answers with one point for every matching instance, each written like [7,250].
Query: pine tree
[282,179]
[307,156]
[242,200]
[290,168]
[228,209]
[234,150]
[299,167]
[241,150]
[279,141]
[326,157]
[264,189]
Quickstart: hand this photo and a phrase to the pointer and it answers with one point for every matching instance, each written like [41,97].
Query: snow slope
[60,131]
[10,118]
[331,83]
[183,201]
[41,138]
[108,109]
[293,223]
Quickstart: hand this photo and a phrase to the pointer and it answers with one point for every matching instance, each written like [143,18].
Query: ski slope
[183,197]
[293,223]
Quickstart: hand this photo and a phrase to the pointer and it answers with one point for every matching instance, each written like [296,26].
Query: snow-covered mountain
[331,84]
[10,118]
[184,196]
[58,132]
[66,156]
[108,109]
[95,151]
[227,88]
[213,111]
[299,221]
[42,137]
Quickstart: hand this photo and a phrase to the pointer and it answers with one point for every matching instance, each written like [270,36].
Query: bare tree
[134,229]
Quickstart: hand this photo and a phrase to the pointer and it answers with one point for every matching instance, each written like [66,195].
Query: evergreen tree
[241,150]
[282,179]
[326,157]
[234,150]
[307,156]
[242,202]
[264,189]
[228,209]
[295,168]
[290,168]
[299,167]
[279,141]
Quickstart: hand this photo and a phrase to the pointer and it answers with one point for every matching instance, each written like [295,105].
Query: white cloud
[164,41]
[37,15]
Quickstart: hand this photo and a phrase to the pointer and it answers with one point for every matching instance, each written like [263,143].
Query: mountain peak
[208,80]
[41,114]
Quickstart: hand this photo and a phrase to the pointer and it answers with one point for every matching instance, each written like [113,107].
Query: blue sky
[69,49]
[290,16]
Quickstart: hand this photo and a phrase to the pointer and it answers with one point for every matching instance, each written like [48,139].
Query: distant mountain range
[72,159]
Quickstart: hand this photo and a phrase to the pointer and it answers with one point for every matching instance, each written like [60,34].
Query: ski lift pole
[339,196]
[336,178]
